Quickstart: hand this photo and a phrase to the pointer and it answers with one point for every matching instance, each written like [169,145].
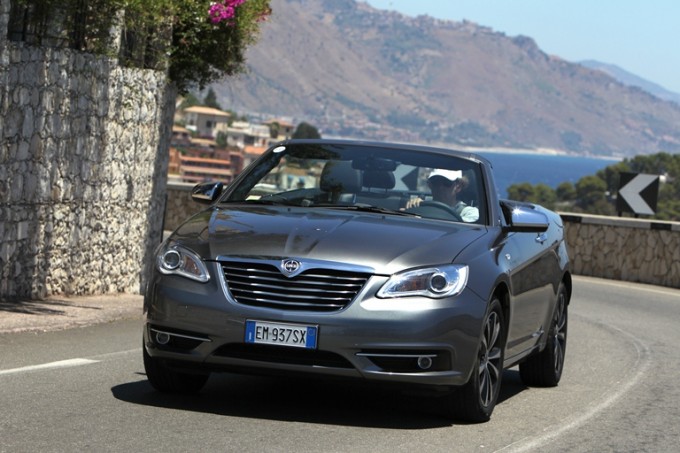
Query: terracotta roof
[254,150]
[201,109]
[280,122]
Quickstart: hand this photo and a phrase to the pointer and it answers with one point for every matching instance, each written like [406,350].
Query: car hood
[386,243]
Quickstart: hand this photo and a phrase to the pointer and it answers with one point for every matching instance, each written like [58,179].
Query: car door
[533,267]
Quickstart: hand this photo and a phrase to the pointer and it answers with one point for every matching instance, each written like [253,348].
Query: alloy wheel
[560,333]
[490,366]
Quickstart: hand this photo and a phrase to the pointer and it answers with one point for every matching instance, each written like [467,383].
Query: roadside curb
[59,313]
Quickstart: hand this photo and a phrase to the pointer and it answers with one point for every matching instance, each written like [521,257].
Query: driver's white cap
[451,175]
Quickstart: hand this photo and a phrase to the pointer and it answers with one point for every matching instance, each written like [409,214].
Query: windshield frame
[362,157]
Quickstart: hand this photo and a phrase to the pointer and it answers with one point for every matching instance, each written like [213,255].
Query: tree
[544,195]
[306,130]
[566,192]
[540,194]
[202,50]
[189,100]
[274,129]
[210,100]
[591,196]
[521,192]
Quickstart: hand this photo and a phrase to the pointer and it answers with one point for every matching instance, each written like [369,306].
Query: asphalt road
[84,389]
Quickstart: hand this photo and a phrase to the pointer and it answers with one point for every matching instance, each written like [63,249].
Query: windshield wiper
[269,201]
[367,208]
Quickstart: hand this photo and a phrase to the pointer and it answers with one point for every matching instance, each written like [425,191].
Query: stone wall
[83,165]
[626,249]
[179,205]
[608,247]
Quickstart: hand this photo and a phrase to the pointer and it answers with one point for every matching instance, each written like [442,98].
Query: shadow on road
[308,400]
[39,307]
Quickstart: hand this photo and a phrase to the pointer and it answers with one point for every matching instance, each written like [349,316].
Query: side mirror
[525,218]
[206,192]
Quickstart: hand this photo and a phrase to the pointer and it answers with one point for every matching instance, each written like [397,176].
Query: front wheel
[167,380]
[476,400]
[545,368]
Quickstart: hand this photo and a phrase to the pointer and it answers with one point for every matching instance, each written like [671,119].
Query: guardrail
[617,248]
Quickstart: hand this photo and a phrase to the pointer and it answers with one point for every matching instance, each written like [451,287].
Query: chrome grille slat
[259,301]
[286,296]
[349,290]
[316,289]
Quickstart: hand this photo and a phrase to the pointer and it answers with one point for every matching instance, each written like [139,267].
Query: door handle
[541,238]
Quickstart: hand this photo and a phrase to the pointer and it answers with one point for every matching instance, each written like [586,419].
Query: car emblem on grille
[289,267]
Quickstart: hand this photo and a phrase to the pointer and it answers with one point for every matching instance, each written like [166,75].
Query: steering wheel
[442,207]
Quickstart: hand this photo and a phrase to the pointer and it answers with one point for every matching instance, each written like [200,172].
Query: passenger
[445,186]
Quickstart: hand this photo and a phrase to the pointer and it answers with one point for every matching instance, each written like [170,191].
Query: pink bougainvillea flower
[224,10]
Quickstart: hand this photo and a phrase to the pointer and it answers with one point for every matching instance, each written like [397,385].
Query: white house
[206,121]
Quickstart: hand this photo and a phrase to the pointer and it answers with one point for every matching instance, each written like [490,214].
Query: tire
[167,380]
[476,400]
[545,368]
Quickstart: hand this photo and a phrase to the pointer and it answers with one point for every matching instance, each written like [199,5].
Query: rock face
[83,164]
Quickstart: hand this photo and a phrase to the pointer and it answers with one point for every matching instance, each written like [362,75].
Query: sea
[534,168]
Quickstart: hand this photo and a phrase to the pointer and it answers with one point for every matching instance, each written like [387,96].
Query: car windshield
[370,178]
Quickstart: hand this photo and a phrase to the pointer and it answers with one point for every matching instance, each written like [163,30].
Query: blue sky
[642,37]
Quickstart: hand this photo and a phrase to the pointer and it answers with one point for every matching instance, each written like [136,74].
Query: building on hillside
[242,134]
[251,152]
[204,145]
[280,129]
[237,160]
[181,136]
[199,169]
[206,121]
[202,160]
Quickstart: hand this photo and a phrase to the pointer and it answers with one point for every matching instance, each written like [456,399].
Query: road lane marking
[641,367]
[108,355]
[49,366]
[70,362]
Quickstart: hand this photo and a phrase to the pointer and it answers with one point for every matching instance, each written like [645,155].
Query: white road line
[110,355]
[49,366]
[641,367]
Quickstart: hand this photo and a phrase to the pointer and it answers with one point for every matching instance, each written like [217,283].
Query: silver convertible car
[385,262]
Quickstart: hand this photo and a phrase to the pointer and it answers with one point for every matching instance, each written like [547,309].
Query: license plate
[296,335]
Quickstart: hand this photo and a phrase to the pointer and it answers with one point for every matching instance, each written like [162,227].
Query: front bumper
[197,327]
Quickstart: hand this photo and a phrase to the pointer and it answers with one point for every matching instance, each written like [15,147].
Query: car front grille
[263,285]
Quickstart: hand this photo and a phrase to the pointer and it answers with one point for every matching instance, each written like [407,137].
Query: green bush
[176,35]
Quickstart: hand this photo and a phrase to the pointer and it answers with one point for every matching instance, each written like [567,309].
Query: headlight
[177,260]
[441,281]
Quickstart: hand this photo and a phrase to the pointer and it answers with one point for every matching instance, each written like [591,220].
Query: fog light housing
[162,338]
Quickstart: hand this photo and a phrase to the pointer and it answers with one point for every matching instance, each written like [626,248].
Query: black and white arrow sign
[638,193]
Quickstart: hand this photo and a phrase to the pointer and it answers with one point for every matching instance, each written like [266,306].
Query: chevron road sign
[638,193]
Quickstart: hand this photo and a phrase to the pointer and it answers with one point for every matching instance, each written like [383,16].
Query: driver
[445,185]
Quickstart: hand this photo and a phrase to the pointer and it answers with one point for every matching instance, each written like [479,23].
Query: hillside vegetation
[358,72]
